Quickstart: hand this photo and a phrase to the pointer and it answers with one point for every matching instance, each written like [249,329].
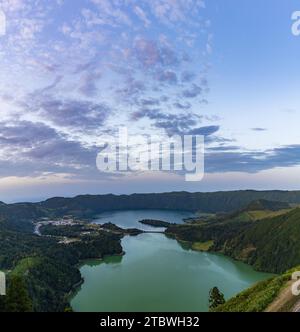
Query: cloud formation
[75,114]
[29,148]
[66,79]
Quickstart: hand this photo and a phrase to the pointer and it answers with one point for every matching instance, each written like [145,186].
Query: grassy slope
[24,265]
[259,215]
[202,246]
[259,297]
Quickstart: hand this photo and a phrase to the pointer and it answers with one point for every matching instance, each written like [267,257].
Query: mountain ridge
[210,202]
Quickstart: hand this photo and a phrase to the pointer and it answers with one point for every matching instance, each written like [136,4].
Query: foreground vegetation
[260,296]
[17,298]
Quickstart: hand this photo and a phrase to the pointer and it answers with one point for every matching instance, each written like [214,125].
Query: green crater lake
[157,273]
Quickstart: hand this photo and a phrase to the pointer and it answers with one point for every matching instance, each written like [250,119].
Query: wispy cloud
[143,64]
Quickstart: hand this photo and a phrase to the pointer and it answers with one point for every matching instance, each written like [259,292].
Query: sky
[72,71]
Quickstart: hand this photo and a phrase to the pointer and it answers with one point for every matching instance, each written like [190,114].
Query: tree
[17,298]
[2,304]
[216,298]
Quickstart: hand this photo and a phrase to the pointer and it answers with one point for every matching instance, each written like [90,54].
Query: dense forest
[270,244]
[49,269]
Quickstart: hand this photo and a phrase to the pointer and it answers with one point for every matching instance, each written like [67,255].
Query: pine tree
[216,298]
[17,298]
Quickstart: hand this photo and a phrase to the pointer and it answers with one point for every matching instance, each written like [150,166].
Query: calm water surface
[157,273]
[131,218]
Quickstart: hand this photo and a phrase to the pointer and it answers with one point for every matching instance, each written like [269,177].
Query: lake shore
[151,248]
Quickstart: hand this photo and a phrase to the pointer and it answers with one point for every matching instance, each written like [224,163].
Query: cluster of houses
[65,221]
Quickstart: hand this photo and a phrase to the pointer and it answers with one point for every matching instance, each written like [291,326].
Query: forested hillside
[88,206]
[271,244]
[47,267]
[205,202]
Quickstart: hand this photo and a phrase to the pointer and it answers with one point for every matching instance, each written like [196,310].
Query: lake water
[131,218]
[157,273]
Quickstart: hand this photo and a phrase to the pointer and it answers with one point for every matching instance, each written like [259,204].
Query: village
[64,221]
[75,235]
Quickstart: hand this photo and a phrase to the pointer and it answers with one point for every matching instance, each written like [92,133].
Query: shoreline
[189,249]
[76,287]
[190,244]
[170,236]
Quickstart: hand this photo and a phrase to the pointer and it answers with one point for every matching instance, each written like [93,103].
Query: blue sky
[71,71]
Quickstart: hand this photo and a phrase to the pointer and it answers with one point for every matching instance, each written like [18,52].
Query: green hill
[19,216]
[256,210]
[263,204]
[88,205]
[271,244]
[263,296]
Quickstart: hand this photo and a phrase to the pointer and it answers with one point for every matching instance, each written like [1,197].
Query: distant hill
[88,206]
[257,210]
[204,202]
[19,216]
[263,204]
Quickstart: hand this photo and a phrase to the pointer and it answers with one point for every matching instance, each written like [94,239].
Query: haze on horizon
[71,72]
